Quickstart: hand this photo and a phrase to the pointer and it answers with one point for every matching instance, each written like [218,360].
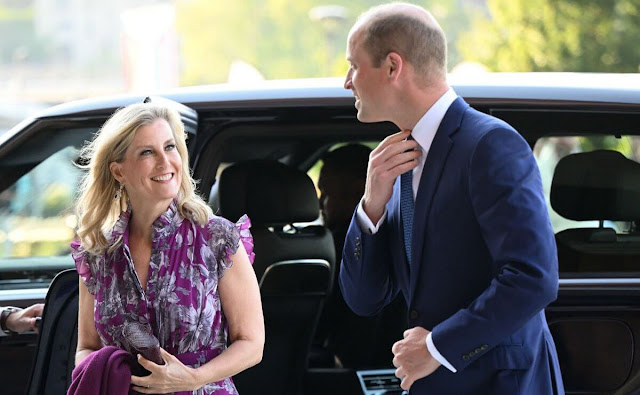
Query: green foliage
[57,197]
[16,13]
[279,37]
[592,143]
[556,35]
[275,35]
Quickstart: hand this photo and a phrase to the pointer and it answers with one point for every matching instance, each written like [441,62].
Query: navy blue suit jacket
[484,261]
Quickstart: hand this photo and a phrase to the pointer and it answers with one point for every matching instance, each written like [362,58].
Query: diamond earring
[118,194]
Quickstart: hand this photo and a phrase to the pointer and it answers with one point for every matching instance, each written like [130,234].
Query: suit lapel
[429,180]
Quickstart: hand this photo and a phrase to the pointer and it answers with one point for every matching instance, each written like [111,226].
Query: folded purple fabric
[104,372]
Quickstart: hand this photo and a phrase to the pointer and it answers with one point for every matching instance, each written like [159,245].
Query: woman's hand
[171,377]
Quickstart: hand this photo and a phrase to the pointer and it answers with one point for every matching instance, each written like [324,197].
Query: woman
[151,252]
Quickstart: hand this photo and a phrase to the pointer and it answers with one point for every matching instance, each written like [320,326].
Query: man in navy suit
[453,217]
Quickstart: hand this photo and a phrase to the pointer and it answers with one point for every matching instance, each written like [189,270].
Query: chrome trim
[574,87]
[7,295]
[381,375]
[321,262]
[572,283]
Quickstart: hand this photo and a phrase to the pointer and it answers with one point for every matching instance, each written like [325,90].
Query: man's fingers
[32,324]
[392,158]
[396,347]
[396,148]
[395,143]
[37,310]
[402,168]
[406,383]
[406,380]
[394,138]
[401,158]
[406,333]
[398,164]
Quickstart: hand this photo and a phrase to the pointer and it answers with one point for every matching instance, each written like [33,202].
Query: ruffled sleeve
[85,266]
[225,238]
[243,225]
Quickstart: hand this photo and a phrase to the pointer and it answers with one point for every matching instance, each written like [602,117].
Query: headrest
[597,185]
[269,192]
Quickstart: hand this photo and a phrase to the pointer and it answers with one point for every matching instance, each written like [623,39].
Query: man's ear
[116,172]
[395,65]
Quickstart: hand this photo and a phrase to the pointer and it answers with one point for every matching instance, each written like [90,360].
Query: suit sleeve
[507,198]
[366,277]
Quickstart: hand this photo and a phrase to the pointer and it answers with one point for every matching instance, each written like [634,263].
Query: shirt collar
[426,128]
[165,220]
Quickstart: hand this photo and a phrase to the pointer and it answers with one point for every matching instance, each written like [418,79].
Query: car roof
[575,87]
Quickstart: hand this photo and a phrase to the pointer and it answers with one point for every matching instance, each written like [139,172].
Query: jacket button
[465,358]
[484,347]
[414,314]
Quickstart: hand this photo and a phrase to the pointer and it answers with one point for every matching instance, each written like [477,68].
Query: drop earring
[118,194]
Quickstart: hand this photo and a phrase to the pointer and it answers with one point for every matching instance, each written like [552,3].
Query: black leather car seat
[294,265]
[600,185]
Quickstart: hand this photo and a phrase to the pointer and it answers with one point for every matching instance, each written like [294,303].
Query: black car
[584,130]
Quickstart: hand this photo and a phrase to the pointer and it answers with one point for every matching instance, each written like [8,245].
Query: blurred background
[53,51]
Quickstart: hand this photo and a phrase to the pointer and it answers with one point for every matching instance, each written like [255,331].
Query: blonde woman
[151,253]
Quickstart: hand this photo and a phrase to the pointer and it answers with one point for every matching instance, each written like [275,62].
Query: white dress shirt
[424,132]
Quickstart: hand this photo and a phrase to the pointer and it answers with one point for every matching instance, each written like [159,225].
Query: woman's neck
[143,216]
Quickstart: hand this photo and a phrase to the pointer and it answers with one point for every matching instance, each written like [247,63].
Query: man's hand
[411,357]
[25,319]
[386,163]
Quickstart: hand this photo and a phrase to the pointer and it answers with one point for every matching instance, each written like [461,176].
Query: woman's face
[152,168]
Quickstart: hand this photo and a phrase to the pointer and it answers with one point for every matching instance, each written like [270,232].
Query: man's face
[340,193]
[366,81]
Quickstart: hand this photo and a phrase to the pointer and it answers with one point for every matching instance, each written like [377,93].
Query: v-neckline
[142,289]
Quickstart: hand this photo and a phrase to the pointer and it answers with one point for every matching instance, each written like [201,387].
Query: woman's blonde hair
[97,209]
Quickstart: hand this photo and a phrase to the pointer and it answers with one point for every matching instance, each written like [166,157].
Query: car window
[314,171]
[549,150]
[336,191]
[36,215]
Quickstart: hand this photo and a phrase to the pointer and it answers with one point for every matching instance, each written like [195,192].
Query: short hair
[96,207]
[350,158]
[423,45]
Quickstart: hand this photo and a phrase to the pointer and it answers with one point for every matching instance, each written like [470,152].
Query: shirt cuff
[4,329]
[2,334]
[434,353]
[366,225]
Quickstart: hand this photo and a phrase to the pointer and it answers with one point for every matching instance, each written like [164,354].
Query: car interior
[295,267]
[267,167]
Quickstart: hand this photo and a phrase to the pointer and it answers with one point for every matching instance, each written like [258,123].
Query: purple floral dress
[181,303]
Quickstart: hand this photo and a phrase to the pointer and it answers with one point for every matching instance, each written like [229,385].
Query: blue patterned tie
[406,210]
